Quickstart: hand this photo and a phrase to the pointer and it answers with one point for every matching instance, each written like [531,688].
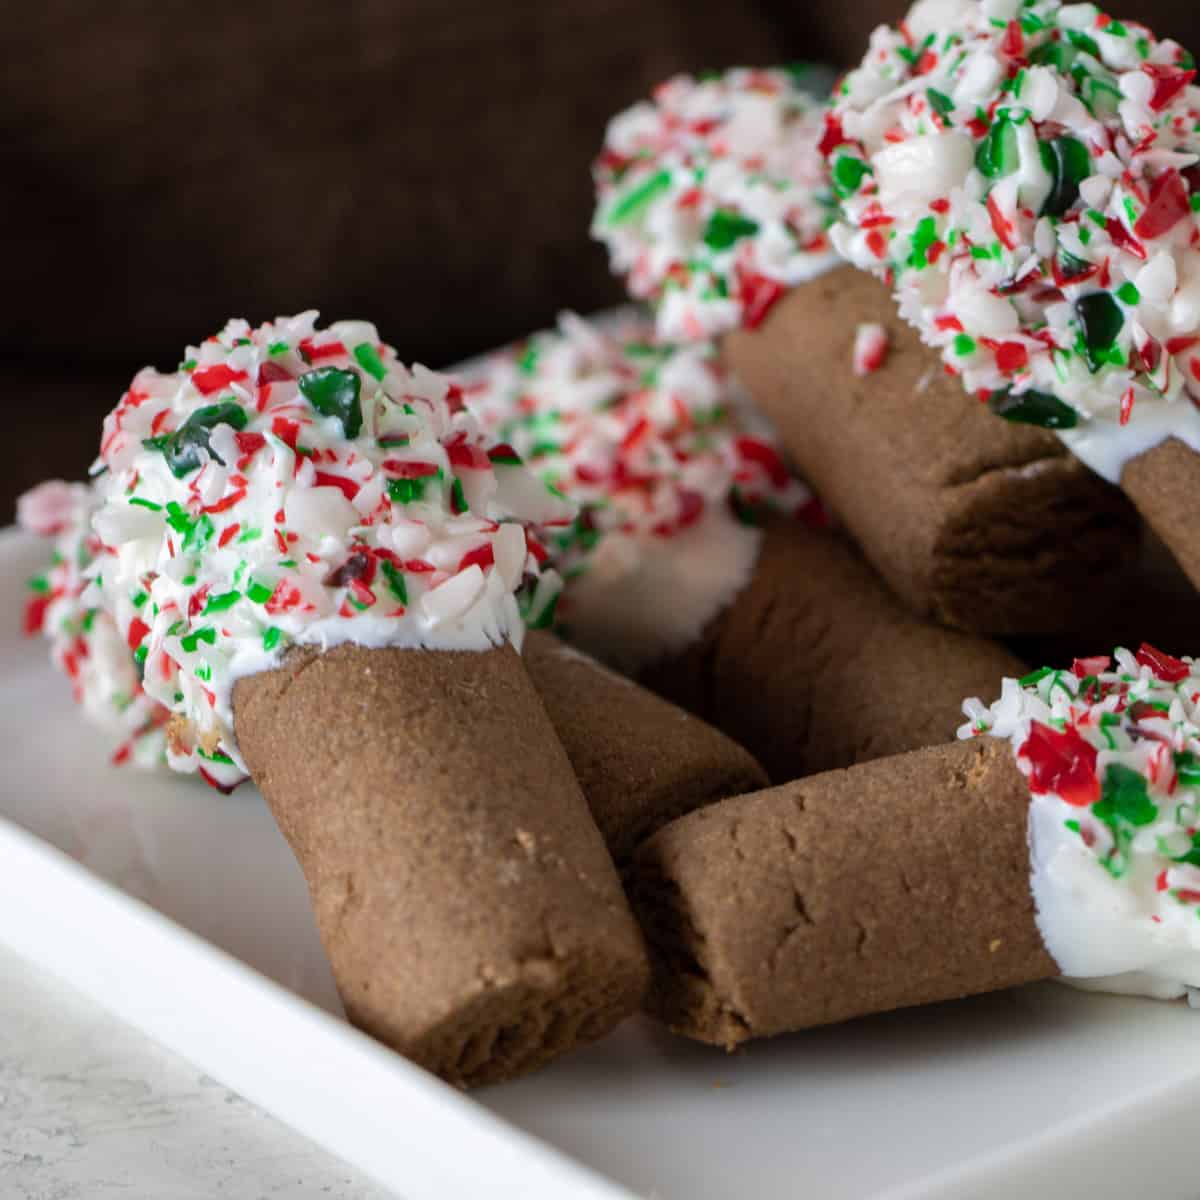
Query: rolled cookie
[842,894]
[671,578]
[1163,482]
[640,761]
[973,522]
[815,665]
[296,517]
[479,930]
[1044,240]
[1070,850]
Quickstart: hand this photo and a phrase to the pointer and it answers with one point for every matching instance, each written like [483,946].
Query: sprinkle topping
[1111,750]
[289,484]
[650,441]
[870,348]
[712,199]
[84,642]
[1027,177]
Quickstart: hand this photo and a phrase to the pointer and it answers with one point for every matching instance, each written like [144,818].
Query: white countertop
[92,1109]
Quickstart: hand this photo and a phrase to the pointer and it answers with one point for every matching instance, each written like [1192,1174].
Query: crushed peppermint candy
[1111,752]
[84,642]
[1027,175]
[295,485]
[652,441]
[711,198]
[870,348]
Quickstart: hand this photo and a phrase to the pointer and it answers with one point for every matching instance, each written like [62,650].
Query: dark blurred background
[420,163]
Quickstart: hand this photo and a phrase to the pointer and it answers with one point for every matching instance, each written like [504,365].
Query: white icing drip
[1026,175]
[295,519]
[1117,902]
[638,603]
[650,440]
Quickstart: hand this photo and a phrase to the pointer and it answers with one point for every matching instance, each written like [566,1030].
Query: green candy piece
[1102,321]
[259,592]
[1081,41]
[1127,293]
[191,641]
[940,102]
[395,580]
[406,491]
[528,362]
[638,198]
[221,602]
[1033,408]
[368,358]
[848,174]
[998,155]
[725,227]
[181,449]
[923,238]
[333,392]
[1069,164]
[1187,767]
[1124,798]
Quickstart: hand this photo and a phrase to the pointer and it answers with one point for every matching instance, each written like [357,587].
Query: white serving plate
[183,912]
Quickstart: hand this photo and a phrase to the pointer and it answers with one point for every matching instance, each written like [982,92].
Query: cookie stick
[308,542]
[973,522]
[1044,239]
[708,199]
[912,879]
[840,895]
[742,629]
[640,761]
[816,665]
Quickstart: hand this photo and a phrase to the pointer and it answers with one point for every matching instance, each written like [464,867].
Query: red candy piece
[470,458]
[1011,357]
[347,487]
[285,596]
[409,470]
[1122,238]
[1168,668]
[35,614]
[286,431]
[211,379]
[272,372]
[1063,763]
[752,450]
[1169,204]
[482,556]
[1168,83]
[758,296]
[1095,665]
[137,632]
[325,350]
[833,137]
[1012,43]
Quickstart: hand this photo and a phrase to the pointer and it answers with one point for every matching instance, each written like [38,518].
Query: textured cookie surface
[840,895]
[817,665]
[640,760]
[972,520]
[469,908]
